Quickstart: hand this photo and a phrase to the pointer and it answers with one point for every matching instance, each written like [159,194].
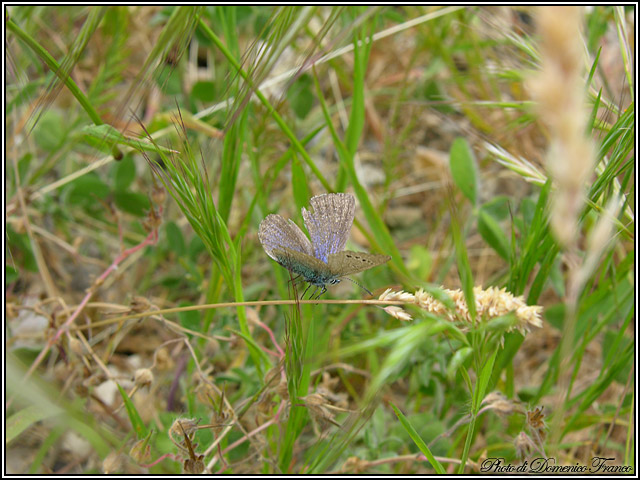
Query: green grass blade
[134,417]
[418,441]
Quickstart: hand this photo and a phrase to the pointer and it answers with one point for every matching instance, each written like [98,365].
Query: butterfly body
[321,261]
[314,271]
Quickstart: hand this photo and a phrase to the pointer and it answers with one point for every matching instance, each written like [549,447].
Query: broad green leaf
[300,96]
[124,172]
[175,239]
[50,131]
[190,318]
[493,234]
[85,190]
[134,203]
[458,359]
[204,91]
[463,168]
[498,207]
[169,80]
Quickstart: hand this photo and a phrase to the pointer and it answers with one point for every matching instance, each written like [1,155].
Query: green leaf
[432,92]
[462,259]
[196,247]
[23,419]
[418,441]
[483,379]
[353,135]
[235,141]
[493,234]
[300,186]
[204,91]
[134,417]
[24,166]
[463,168]
[528,210]
[597,25]
[497,207]
[300,96]
[190,318]
[458,360]
[175,239]
[134,203]
[124,172]
[84,190]
[49,133]
[22,244]
[103,137]
[621,343]
[420,262]
[169,81]
[502,324]
[25,92]
[10,274]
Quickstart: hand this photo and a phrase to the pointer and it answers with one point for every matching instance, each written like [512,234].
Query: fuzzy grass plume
[491,303]
[559,89]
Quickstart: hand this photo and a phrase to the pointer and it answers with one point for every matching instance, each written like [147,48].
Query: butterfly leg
[305,291]
[313,295]
[324,289]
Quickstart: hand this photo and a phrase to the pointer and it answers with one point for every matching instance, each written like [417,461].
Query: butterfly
[321,261]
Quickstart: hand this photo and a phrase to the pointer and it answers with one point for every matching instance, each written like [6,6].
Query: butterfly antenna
[362,287]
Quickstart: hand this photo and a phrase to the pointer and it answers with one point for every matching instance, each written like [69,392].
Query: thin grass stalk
[62,75]
[279,120]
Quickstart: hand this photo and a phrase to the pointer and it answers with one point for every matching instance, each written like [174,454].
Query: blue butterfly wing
[329,224]
[276,233]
